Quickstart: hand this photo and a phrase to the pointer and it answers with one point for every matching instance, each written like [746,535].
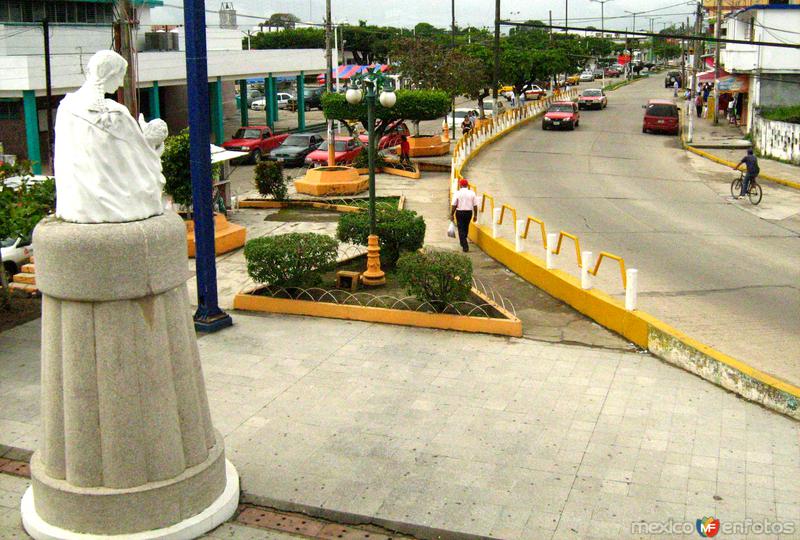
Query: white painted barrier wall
[779,140]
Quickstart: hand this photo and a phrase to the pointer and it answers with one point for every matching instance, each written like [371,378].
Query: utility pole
[550,16]
[126,48]
[695,65]
[453,46]
[496,66]
[329,81]
[717,28]
[566,15]
[49,91]
[602,16]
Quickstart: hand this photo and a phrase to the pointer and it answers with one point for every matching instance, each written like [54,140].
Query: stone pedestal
[127,446]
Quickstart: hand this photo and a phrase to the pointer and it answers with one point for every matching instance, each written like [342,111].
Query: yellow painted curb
[442,321]
[723,161]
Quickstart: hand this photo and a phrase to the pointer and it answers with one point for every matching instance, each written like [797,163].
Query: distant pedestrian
[675,87]
[464,208]
[405,150]
[513,100]
[522,99]
[698,104]
[466,124]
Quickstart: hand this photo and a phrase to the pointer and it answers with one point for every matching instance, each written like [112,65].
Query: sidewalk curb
[646,331]
[723,161]
[348,518]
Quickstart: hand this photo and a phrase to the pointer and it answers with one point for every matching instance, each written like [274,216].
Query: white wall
[777,139]
[64,39]
[772,25]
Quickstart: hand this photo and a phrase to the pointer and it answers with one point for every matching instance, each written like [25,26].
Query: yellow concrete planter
[269,203]
[416,175]
[429,145]
[508,326]
[331,181]
[227,236]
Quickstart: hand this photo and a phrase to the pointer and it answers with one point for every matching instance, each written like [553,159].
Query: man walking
[675,87]
[464,208]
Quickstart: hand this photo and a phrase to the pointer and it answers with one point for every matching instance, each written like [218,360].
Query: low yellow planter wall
[511,326]
[432,145]
[227,236]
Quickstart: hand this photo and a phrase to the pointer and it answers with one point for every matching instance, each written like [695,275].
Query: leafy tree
[286,21]
[368,43]
[300,38]
[412,105]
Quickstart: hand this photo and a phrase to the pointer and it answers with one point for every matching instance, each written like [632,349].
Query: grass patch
[782,114]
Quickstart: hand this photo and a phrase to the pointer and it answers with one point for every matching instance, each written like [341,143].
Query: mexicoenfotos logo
[707,527]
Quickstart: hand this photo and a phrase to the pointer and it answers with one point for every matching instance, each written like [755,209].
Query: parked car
[252,96]
[612,72]
[293,150]
[257,141]
[392,136]
[671,77]
[562,115]
[260,104]
[534,91]
[586,76]
[598,73]
[506,91]
[592,98]
[573,79]
[312,98]
[15,252]
[345,151]
[660,115]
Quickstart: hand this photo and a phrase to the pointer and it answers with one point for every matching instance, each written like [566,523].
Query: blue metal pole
[273,92]
[301,102]
[208,317]
[155,102]
[243,109]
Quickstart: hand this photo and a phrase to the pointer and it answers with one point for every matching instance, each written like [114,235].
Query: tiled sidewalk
[490,436]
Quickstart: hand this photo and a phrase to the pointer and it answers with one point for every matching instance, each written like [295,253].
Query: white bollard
[631,288]
[518,242]
[586,263]
[495,219]
[552,238]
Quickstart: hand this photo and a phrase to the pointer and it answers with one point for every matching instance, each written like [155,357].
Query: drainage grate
[333,531]
[18,468]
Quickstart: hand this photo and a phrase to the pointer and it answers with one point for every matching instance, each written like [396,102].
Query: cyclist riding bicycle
[751,163]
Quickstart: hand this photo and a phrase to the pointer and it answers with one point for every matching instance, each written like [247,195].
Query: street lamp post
[369,87]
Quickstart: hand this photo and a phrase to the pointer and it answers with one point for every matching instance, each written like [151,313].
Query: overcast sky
[407,13]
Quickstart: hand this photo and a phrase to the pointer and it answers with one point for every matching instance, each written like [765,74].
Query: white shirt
[465,199]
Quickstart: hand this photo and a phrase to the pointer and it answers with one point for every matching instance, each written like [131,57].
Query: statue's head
[108,69]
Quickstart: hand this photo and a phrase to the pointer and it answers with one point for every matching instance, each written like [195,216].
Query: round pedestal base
[220,511]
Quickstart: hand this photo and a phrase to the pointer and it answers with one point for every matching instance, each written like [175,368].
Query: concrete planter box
[428,145]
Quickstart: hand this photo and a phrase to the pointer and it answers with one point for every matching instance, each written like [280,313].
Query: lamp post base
[373,276]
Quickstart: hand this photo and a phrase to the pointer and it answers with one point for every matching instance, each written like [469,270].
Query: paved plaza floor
[433,430]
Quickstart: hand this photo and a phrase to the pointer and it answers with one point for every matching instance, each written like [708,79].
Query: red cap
[463,183]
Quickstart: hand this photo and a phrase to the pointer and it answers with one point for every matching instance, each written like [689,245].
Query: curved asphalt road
[720,270]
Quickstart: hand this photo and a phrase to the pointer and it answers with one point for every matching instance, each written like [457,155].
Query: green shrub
[789,114]
[269,180]
[290,260]
[437,277]
[397,230]
[176,168]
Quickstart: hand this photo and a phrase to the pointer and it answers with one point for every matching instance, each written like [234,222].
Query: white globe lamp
[388,99]
[353,96]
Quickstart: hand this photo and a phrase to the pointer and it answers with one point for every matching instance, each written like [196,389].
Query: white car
[587,76]
[261,103]
[462,112]
[15,253]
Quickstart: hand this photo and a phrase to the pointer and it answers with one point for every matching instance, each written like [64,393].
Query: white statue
[107,166]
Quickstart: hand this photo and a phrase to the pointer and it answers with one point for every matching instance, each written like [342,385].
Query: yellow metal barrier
[503,213]
[577,242]
[485,196]
[620,260]
[528,222]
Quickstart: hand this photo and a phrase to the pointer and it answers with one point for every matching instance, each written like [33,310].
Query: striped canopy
[350,70]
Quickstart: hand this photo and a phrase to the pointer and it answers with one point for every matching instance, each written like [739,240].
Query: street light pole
[496,63]
[453,46]
[602,16]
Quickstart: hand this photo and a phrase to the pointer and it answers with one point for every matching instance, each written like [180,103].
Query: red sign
[623,59]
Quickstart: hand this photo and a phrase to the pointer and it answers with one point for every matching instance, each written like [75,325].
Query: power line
[664,36]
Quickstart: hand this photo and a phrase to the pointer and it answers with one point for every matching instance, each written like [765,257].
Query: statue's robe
[105,170]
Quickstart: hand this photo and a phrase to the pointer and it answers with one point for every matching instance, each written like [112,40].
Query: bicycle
[754,192]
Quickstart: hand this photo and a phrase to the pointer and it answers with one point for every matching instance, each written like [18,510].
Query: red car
[257,141]
[562,115]
[592,98]
[660,115]
[345,151]
[612,72]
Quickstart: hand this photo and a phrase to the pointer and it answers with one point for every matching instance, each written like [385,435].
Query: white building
[80,28]
[773,72]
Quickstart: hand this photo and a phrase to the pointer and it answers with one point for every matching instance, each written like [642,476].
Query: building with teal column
[273,93]
[155,102]
[217,116]
[301,102]
[32,130]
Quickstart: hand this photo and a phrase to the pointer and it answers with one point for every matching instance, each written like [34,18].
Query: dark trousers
[463,217]
[699,110]
[745,184]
